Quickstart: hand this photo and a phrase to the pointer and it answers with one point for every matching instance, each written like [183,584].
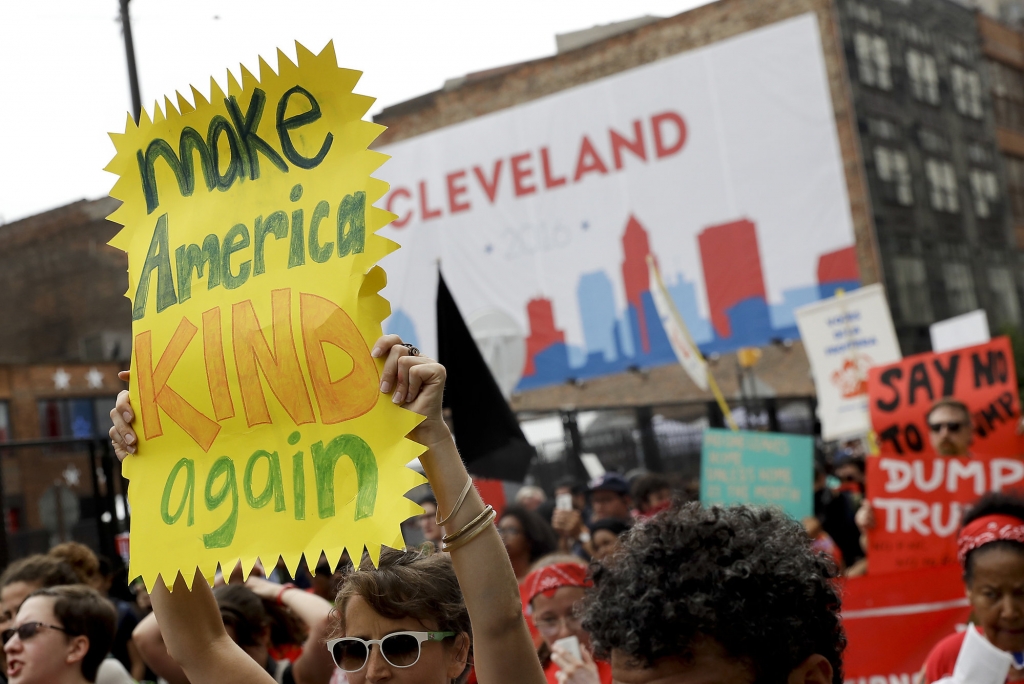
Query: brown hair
[249,615]
[81,559]
[417,583]
[46,571]
[952,403]
[83,612]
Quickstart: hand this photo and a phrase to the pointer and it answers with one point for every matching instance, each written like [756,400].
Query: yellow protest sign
[250,231]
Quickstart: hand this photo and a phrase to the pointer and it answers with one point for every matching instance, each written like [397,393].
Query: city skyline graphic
[616,340]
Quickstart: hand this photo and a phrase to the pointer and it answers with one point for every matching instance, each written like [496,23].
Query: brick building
[929,181]
[938,188]
[66,333]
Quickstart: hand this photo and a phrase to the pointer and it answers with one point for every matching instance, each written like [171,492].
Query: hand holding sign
[260,416]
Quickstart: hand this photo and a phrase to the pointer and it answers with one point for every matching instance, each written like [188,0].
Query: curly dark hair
[539,534]
[993,503]
[744,576]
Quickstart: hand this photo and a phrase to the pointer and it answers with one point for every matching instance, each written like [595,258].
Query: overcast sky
[64,82]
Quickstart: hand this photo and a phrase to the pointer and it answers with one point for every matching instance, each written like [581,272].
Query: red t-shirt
[941,660]
[604,672]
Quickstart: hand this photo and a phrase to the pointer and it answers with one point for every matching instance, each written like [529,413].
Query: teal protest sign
[764,468]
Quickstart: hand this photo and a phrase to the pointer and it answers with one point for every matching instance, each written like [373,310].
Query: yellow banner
[250,231]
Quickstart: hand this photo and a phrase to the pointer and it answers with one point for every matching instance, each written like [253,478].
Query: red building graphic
[635,248]
[732,269]
[543,332]
[840,265]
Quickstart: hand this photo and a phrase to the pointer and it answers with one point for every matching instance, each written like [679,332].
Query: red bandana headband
[987,529]
[550,578]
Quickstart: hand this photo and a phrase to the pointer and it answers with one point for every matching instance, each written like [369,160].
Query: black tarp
[486,430]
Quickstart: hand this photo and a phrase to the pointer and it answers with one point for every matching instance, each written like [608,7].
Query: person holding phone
[554,593]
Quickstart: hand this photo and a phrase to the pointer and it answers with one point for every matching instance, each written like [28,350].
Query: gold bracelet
[448,538]
[458,504]
[448,548]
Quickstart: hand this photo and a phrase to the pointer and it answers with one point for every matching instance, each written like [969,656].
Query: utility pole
[129,49]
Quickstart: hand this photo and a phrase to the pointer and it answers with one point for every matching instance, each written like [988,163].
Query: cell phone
[571,644]
[563,502]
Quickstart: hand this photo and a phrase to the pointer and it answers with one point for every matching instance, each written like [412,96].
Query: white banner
[843,337]
[965,330]
[678,336]
[722,163]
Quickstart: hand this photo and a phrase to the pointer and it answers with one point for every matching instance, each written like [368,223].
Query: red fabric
[552,577]
[289,652]
[604,672]
[987,529]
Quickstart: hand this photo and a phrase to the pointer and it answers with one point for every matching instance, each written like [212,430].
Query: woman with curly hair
[991,551]
[407,621]
[717,595]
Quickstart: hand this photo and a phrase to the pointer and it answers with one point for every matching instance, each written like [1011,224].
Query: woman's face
[47,655]
[439,662]
[996,593]
[605,543]
[555,616]
[514,536]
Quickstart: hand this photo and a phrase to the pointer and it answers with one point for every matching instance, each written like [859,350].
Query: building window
[912,290]
[1015,186]
[932,141]
[872,60]
[967,91]
[985,190]
[924,76]
[5,423]
[893,168]
[1007,95]
[1004,295]
[83,418]
[942,182]
[959,287]
[883,129]
[979,154]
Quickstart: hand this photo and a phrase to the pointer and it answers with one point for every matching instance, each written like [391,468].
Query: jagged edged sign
[251,238]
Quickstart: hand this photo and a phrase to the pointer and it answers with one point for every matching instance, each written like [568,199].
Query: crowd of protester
[608,580]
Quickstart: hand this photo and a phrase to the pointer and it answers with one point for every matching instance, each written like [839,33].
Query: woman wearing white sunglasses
[404,621]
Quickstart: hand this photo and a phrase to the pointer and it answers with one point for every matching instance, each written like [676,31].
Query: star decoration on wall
[61,379]
[72,475]
[95,378]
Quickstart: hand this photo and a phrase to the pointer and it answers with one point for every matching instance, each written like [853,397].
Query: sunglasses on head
[28,630]
[952,426]
[400,649]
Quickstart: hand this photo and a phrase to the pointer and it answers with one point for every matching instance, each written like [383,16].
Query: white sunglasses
[400,649]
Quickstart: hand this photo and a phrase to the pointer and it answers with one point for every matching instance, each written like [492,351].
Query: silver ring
[413,351]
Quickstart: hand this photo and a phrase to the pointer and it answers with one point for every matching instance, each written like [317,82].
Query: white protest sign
[965,330]
[844,336]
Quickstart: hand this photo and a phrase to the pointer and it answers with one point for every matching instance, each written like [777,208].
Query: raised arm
[150,643]
[315,665]
[194,633]
[504,651]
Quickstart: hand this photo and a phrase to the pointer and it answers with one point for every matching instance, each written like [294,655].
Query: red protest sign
[893,621]
[983,377]
[918,497]
[918,503]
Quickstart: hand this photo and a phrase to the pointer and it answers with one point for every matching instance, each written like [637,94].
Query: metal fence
[57,490]
[664,438]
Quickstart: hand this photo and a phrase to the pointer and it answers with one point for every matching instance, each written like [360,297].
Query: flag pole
[681,324]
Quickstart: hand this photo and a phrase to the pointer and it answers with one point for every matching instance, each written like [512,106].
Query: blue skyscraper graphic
[684,294]
[597,310]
